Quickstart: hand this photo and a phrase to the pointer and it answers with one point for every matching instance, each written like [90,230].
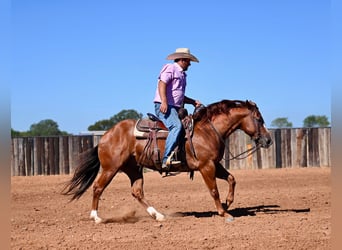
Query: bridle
[249,151]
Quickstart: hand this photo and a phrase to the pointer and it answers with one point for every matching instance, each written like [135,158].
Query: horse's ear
[250,103]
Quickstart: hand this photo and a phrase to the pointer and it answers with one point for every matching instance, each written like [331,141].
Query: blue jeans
[173,123]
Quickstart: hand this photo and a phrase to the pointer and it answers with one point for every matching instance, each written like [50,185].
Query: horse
[120,150]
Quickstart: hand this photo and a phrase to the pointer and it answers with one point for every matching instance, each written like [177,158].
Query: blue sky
[77,62]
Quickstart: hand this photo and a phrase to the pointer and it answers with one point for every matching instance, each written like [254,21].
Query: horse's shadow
[246,211]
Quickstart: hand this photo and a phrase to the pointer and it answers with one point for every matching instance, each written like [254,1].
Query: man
[170,96]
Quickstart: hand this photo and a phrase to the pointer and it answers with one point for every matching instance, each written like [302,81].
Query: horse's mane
[217,108]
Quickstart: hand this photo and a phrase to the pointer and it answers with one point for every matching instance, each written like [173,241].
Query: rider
[170,96]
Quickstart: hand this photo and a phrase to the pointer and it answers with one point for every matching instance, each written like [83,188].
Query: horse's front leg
[138,193]
[208,174]
[223,174]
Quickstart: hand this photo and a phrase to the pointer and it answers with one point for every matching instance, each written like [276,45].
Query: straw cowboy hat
[182,53]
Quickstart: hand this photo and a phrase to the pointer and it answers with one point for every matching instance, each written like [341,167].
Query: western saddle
[152,129]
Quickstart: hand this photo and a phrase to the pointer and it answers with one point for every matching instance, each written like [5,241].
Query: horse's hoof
[160,217]
[98,220]
[155,214]
[230,219]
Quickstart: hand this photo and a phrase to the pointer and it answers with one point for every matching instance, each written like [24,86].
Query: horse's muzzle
[264,141]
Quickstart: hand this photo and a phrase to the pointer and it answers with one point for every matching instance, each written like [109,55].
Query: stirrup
[170,162]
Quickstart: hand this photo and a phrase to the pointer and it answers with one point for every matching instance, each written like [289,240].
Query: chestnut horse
[119,150]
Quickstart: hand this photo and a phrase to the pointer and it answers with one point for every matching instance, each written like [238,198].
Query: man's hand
[163,107]
[162,94]
[197,103]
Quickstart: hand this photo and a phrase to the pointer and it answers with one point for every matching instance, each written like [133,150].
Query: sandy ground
[273,209]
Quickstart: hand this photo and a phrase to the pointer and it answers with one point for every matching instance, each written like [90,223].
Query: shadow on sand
[245,211]
[130,217]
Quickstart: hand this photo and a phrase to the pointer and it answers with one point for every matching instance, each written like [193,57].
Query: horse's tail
[84,175]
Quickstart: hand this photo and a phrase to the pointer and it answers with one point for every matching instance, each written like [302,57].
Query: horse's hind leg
[222,173]
[99,186]
[135,175]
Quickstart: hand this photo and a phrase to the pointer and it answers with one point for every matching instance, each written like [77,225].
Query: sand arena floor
[273,209]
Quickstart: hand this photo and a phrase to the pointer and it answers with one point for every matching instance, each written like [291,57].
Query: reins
[249,151]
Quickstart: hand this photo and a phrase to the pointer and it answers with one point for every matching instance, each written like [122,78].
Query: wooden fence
[48,155]
[301,147]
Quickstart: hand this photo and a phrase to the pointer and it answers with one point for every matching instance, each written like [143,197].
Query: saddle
[145,126]
[152,129]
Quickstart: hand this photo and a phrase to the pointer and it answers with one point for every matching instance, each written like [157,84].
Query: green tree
[281,122]
[316,121]
[46,127]
[15,133]
[101,125]
[108,123]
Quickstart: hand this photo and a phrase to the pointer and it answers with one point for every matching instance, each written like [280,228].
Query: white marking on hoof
[155,214]
[230,219]
[93,215]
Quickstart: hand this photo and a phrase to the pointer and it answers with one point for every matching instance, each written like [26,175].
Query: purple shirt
[175,78]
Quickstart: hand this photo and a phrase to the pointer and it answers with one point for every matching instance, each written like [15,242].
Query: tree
[125,114]
[108,123]
[46,127]
[281,122]
[316,121]
[15,133]
[101,125]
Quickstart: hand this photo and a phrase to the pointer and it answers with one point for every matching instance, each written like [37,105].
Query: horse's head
[228,115]
[253,125]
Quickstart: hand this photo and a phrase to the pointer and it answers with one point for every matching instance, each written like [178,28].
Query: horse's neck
[226,125]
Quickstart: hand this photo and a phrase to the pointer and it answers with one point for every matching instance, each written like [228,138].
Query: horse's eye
[258,119]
